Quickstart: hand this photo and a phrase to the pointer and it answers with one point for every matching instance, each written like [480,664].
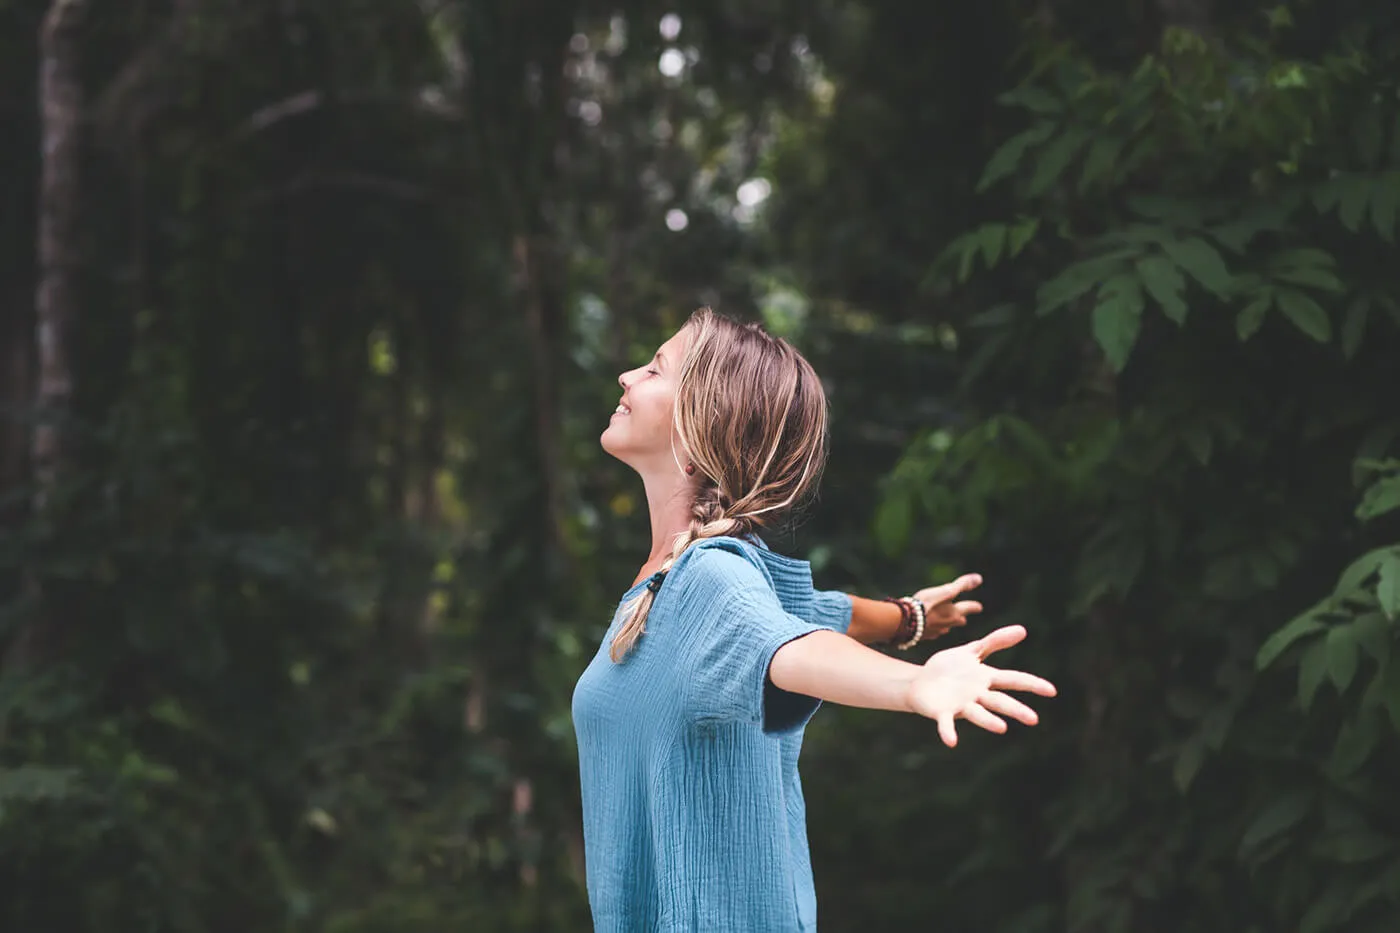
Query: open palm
[957,684]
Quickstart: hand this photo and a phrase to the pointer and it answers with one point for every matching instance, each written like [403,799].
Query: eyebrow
[660,357]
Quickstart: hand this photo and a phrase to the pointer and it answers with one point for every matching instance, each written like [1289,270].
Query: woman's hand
[956,684]
[943,611]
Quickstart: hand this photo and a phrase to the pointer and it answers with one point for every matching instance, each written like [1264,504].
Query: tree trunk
[60,114]
[15,339]
[60,104]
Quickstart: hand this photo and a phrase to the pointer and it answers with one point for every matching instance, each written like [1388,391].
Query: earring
[690,469]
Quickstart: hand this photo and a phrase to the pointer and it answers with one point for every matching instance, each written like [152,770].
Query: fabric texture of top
[694,820]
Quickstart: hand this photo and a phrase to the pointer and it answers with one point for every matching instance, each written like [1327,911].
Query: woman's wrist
[891,620]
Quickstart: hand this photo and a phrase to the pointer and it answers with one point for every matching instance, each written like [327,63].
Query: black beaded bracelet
[906,619]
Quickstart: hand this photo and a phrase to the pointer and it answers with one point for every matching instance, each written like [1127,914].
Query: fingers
[979,717]
[999,702]
[1001,638]
[1020,680]
[942,594]
[951,615]
[946,731]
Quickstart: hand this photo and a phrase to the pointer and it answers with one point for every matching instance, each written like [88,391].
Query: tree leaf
[1276,644]
[1355,845]
[1165,284]
[1385,197]
[1326,914]
[1055,159]
[1118,318]
[1304,256]
[992,239]
[1307,315]
[1202,262]
[1278,817]
[1314,277]
[1074,281]
[1342,656]
[1359,571]
[1021,234]
[1034,99]
[1374,633]
[1355,194]
[1100,159]
[1369,135]
[1381,497]
[1188,764]
[1312,669]
[1328,193]
[1009,154]
[1354,325]
[1251,317]
[1388,587]
[1355,741]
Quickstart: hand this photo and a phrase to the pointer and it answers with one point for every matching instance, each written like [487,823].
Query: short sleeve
[832,609]
[738,626]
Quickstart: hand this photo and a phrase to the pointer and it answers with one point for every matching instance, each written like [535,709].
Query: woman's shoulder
[721,564]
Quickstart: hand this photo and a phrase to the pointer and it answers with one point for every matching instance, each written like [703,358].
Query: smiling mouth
[622,410]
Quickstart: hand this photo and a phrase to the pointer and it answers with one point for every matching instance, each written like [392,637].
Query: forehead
[674,348]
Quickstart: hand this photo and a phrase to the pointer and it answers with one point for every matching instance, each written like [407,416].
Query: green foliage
[1162,504]
[335,537]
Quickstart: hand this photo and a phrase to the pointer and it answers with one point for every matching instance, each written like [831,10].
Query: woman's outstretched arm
[876,621]
[953,684]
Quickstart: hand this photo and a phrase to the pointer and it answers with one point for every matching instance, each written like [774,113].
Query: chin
[608,441]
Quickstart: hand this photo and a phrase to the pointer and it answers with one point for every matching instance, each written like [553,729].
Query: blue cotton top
[693,817]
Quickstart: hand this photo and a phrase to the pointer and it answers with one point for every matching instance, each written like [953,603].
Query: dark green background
[1105,297]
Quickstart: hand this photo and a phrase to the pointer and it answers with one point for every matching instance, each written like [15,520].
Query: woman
[689,718]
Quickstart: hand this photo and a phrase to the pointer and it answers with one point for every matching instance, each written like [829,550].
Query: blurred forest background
[311,313]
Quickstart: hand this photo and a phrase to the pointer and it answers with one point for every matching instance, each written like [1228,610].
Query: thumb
[1004,637]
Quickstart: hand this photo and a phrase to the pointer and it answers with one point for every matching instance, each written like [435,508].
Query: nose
[622,379]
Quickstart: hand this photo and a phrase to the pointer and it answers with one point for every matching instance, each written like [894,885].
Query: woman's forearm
[873,621]
[835,668]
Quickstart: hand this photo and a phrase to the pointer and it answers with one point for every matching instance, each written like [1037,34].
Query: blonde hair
[751,414]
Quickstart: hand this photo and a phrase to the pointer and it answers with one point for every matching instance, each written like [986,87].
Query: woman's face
[639,432]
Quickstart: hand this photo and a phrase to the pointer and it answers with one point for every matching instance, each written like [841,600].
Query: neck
[669,497]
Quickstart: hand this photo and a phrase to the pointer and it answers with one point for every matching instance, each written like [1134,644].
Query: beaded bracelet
[906,618]
[917,606]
